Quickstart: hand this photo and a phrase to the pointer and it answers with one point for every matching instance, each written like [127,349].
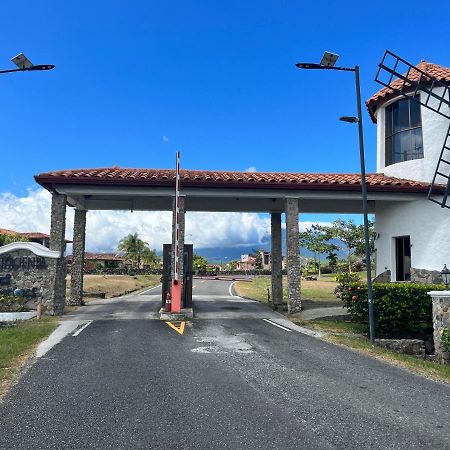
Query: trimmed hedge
[399,308]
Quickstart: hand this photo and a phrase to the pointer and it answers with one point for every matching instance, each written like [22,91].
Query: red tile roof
[439,72]
[28,234]
[8,232]
[216,179]
[35,235]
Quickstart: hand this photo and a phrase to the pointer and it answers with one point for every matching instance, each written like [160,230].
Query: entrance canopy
[152,190]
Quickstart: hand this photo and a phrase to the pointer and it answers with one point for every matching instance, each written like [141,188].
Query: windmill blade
[401,77]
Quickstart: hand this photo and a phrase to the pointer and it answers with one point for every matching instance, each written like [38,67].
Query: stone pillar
[441,316]
[77,271]
[58,243]
[276,261]
[293,256]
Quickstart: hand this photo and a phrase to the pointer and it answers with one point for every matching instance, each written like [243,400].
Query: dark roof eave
[49,183]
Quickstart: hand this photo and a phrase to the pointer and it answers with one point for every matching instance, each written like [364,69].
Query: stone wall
[383,277]
[35,276]
[414,347]
[424,276]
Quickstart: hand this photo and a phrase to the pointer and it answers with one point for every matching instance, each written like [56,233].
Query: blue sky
[137,80]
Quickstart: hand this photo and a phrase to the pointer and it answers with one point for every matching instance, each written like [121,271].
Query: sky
[136,81]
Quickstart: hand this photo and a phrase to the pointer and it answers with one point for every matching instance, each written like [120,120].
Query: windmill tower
[412,113]
[416,142]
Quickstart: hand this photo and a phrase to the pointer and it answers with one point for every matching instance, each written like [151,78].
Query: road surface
[232,380]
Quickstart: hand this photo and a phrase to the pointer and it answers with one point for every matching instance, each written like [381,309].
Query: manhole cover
[231,308]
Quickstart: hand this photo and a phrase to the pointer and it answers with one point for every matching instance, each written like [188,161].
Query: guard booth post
[186,295]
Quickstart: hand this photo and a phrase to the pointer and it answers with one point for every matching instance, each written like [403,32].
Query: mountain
[225,254]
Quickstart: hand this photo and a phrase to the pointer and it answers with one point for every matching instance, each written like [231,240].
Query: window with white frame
[403,131]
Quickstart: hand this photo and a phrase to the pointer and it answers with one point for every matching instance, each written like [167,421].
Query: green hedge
[399,308]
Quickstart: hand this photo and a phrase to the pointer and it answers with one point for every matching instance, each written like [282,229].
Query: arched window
[403,131]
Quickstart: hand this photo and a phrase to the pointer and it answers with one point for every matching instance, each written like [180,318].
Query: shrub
[398,307]
[346,278]
[9,303]
[445,340]
[326,269]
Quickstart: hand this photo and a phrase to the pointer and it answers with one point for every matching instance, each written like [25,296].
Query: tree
[258,258]
[199,263]
[352,236]
[150,258]
[9,238]
[317,240]
[134,249]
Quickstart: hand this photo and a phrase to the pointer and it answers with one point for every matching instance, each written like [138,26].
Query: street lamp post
[25,65]
[328,63]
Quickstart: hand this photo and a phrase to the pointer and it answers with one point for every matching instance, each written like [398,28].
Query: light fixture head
[349,119]
[21,61]
[445,273]
[329,59]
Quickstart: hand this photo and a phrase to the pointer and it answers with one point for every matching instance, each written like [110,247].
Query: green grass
[17,343]
[320,290]
[331,325]
[115,285]
[428,369]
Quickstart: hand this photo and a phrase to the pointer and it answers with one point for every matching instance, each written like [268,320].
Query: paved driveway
[228,381]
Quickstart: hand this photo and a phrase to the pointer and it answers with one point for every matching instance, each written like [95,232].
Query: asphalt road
[229,381]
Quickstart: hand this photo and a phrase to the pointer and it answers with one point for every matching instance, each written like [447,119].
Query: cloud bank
[104,229]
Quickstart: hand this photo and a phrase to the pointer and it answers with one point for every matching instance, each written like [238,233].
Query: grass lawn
[320,290]
[428,369]
[115,285]
[18,343]
[331,325]
[348,334]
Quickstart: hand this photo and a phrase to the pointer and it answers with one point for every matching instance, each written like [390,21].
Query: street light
[25,65]
[328,63]
[445,273]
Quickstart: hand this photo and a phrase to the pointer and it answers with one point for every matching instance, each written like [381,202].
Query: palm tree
[150,258]
[133,248]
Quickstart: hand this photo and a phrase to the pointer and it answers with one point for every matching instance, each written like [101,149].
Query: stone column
[441,316]
[58,243]
[293,256]
[77,271]
[276,261]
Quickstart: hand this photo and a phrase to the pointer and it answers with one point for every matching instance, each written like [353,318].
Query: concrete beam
[77,270]
[293,256]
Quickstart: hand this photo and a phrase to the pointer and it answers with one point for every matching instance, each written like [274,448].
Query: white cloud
[250,169]
[165,139]
[105,228]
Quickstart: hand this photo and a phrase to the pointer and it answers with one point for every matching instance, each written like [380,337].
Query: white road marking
[151,289]
[82,328]
[57,336]
[279,326]
[231,290]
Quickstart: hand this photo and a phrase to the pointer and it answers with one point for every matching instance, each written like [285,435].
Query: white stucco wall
[426,223]
[434,131]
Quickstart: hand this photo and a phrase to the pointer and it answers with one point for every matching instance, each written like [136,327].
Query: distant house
[246,262]
[265,259]
[105,260]
[31,236]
